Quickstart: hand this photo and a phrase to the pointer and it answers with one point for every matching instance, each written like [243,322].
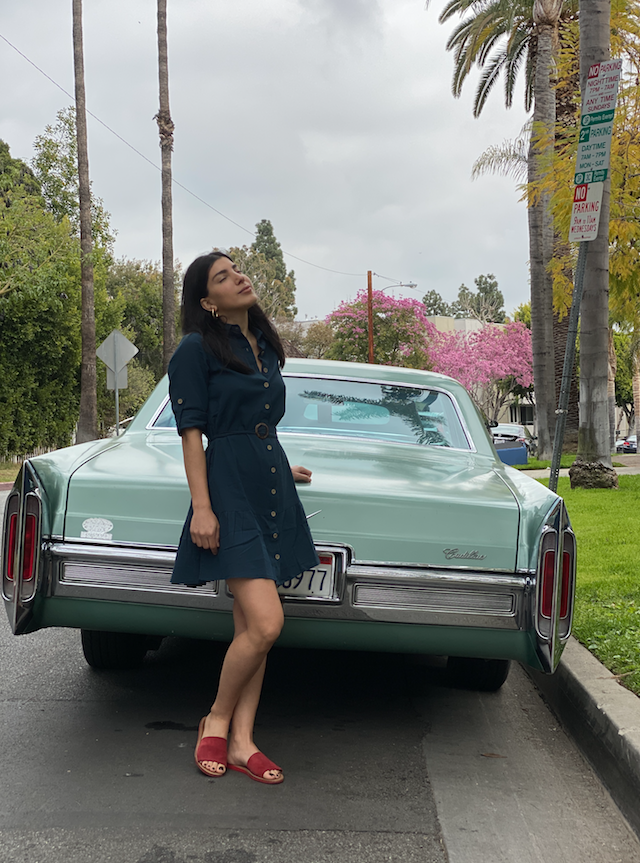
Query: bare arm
[205,528]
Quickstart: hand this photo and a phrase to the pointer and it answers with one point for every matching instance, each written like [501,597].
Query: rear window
[360,409]
[368,410]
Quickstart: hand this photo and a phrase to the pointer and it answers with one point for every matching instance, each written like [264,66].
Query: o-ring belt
[261,430]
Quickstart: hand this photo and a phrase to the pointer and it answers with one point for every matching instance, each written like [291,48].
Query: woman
[246,523]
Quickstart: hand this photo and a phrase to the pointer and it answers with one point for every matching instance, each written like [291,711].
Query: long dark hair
[195,319]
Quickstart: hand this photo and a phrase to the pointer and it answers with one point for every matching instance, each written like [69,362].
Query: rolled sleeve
[189,384]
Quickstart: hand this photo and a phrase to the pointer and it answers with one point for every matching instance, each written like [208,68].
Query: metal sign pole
[115,363]
[569,360]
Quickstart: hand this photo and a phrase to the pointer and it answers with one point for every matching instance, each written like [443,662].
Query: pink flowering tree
[490,362]
[401,331]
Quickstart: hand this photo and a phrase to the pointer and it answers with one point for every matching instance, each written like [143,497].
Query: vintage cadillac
[428,543]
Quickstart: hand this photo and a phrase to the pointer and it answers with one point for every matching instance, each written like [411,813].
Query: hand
[300,474]
[205,529]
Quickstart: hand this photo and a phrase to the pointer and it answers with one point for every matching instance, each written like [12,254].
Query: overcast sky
[332,118]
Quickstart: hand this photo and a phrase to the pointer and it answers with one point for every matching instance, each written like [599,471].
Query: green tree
[266,244]
[137,286]
[140,385]
[523,313]
[435,306]
[485,305]
[318,340]
[39,320]
[15,176]
[276,297]
[55,168]
[625,369]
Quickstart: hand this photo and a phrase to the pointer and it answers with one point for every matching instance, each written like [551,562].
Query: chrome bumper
[382,593]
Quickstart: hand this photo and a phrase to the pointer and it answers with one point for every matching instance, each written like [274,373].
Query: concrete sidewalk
[604,720]
[600,714]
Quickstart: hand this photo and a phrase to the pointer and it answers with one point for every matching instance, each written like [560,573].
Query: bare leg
[258,618]
[241,745]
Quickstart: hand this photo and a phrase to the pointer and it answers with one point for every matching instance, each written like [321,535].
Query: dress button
[273,470]
[267,407]
[277,556]
[275,535]
[266,384]
[269,447]
[273,513]
[265,369]
[179,401]
[273,491]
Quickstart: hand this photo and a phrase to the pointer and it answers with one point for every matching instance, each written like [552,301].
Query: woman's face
[229,291]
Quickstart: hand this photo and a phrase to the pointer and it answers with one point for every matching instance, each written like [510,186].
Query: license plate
[316,583]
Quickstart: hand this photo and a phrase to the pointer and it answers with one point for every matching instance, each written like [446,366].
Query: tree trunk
[88,420]
[165,129]
[611,392]
[541,245]
[594,452]
[636,398]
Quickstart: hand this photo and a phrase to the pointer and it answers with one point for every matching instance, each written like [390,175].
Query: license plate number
[316,583]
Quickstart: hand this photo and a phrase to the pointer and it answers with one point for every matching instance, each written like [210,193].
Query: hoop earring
[214,313]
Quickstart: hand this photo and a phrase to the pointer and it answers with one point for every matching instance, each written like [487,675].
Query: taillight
[11,544]
[566,583]
[29,547]
[326,559]
[548,571]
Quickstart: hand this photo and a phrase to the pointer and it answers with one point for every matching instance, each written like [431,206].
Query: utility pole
[370,312]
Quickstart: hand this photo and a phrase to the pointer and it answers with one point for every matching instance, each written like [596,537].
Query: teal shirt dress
[263,528]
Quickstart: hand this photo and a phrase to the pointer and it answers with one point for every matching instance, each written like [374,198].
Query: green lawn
[607,615]
[566,460]
[8,471]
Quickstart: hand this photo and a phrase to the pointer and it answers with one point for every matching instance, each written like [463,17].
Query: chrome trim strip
[136,555]
[434,599]
[149,425]
[430,566]
[413,574]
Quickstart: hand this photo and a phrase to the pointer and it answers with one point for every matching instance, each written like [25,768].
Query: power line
[158,168]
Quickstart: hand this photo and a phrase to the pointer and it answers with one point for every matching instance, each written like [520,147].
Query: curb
[6,486]
[603,718]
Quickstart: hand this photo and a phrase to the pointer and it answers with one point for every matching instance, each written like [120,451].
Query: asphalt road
[383,762]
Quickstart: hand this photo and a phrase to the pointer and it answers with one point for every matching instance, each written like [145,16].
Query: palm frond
[488,79]
[508,159]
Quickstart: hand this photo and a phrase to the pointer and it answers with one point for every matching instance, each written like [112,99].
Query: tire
[483,675]
[115,650]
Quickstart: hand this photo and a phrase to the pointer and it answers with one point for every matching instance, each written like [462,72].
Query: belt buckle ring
[262,430]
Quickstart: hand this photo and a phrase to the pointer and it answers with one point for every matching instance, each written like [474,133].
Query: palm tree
[502,36]
[88,420]
[165,129]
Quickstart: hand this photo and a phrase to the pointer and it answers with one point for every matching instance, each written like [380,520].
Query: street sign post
[116,351]
[594,148]
[592,169]
[585,216]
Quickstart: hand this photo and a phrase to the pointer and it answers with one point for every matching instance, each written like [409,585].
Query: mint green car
[427,542]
